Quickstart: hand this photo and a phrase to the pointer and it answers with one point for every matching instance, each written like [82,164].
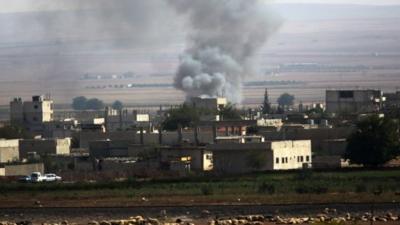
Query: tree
[266,107]
[94,104]
[285,100]
[375,142]
[117,105]
[82,103]
[185,115]
[229,112]
[79,103]
[14,132]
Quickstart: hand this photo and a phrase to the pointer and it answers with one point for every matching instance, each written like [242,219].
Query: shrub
[265,188]
[306,189]
[304,174]
[207,190]
[360,188]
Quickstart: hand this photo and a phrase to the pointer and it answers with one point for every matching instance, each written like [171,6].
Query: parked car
[51,177]
[36,177]
[25,179]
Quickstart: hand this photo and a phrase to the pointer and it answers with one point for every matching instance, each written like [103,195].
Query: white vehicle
[51,177]
[36,177]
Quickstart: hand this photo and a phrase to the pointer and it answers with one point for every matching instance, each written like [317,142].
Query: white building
[264,156]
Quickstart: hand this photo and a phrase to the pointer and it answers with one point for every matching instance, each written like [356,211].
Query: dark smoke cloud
[224,39]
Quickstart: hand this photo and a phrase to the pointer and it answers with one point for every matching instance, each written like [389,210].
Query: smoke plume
[224,38]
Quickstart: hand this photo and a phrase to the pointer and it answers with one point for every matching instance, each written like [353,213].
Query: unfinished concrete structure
[209,103]
[31,114]
[354,101]
[124,120]
[43,147]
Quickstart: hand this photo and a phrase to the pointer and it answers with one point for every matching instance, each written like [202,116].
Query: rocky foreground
[329,216]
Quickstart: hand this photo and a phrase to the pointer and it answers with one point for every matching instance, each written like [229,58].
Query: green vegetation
[82,103]
[229,112]
[184,115]
[14,132]
[375,142]
[326,185]
[117,105]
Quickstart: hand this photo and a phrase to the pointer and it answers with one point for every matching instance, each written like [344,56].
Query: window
[301,159]
[277,161]
[346,94]
[308,158]
[283,160]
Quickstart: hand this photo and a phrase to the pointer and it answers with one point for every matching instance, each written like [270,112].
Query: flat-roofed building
[43,147]
[196,158]
[354,101]
[31,114]
[209,103]
[265,156]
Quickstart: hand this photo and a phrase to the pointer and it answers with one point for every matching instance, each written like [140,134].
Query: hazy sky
[34,5]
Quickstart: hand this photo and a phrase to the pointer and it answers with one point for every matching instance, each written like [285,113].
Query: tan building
[9,150]
[44,147]
[275,155]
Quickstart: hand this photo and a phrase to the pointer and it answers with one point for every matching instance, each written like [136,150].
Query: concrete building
[270,123]
[239,139]
[209,103]
[60,129]
[392,100]
[31,114]
[44,147]
[186,158]
[273,155]
[21,169]
[108,148]
[9,150]
[354,101]
[124,120]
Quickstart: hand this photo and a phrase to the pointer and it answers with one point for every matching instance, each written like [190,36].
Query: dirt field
[187,213]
